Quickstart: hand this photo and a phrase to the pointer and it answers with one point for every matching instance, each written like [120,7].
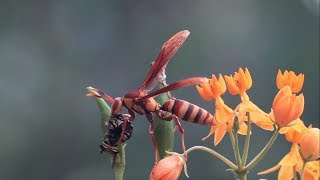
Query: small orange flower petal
[243,129]
[276,167]
[240,82]
[294,132]
[219,134]
[291,163]
[232,86]
[205,96]
[297,83]
[249,79]
[290,79]
[286,172]
[218,86]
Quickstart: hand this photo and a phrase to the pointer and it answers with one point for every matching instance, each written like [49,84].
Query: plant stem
[247,142]
[235,149]
[105,113]
[163,130]
[259,157]
[214,153]
[120,163]
[303,170]
[242,176]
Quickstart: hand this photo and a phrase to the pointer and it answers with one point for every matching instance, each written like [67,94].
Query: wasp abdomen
[188,112]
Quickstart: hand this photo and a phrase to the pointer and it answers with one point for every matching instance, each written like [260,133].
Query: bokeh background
[51,50]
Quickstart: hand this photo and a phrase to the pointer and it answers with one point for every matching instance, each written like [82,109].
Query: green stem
[235,149]
[259,157]
[303,170]
[163,130]
[242,176]
[120,163]
[247,142]
[214,153]
[105,114]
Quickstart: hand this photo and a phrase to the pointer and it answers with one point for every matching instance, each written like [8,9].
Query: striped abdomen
[188,112]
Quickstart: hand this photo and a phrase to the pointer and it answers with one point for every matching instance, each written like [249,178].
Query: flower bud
[309,145]
[287,106]
[168,168]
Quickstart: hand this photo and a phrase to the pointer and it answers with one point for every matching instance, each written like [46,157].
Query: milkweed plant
[302,161]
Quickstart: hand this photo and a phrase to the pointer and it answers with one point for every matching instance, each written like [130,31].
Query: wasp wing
[157,71]
[177,85]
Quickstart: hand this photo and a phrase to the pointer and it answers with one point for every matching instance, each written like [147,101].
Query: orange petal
[297,107]
[285,90]
[297,83]
[243,129]
[249,79]
[291,159]
[222,83]
[270,170]
[212,130]
[219,134]
[280,80]
[232,86]
[266,125]
[205,96]
[218,87]
[286,172]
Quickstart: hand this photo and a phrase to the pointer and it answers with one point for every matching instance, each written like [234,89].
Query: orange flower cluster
[286,105]
[297,133]
[239,83]
[287,108]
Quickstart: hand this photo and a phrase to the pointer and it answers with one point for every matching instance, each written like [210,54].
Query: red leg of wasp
[179,127]
[150,119]
[128,117]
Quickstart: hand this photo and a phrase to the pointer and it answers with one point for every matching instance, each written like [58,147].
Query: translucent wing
[157,71]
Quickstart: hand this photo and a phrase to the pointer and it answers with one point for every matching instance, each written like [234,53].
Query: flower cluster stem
[214,153]
[235,146]
[237,150]
[259,157]
[247,142]
[303,169]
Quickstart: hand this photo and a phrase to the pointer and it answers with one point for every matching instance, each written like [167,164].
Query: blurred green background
[51,50]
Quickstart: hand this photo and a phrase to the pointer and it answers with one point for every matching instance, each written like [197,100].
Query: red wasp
[144,104]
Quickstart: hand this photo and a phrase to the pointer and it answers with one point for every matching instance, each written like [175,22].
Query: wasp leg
[150,119]
[179,127]
[127,117]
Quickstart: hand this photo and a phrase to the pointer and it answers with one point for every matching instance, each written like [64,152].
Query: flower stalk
[303,169]
[259,157]
[214,153]
[247,142]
